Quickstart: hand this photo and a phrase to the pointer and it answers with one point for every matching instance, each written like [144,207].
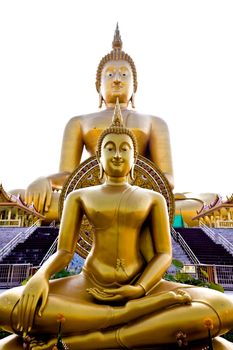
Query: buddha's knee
[224,308]
[220,303]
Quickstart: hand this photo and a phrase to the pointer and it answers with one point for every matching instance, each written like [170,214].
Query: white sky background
[49,52]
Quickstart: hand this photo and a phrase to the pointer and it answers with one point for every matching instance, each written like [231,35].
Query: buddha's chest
[93,127]
[125,209]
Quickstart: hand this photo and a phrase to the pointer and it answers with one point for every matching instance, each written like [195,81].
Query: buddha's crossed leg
[89,317]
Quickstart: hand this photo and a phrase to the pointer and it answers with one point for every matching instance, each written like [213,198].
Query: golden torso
[94,124]
[83,131]
[115,256]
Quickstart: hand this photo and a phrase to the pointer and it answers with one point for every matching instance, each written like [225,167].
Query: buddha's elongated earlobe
[101,169]
[101,174]
[133,100]
[100,100]
[131,174]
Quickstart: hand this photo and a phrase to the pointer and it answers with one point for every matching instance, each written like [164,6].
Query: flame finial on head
[115,54]
[117,42]
[117,119]
[117,127]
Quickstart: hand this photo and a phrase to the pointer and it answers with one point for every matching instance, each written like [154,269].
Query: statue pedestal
[13,342]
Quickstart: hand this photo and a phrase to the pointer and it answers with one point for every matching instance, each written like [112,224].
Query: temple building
[14,212]
[217,214]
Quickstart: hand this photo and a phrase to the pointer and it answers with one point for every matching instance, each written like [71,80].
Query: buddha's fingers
[127,292]
[21,310]
[41,202]
[28,197]
[97,294]
[48,200]
[96,291]
[28,314]
[36,344]
[113,298]
[44,301]
[32,314]
[36,201]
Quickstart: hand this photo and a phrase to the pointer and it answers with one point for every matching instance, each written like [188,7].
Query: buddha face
[117,81]
[117,155]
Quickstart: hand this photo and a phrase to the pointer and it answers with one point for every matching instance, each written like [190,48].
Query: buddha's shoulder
[150,194]
[83,192]
[150,117]
[85,118]
[80,119]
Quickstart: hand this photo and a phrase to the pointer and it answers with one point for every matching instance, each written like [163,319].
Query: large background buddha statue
[116,78]
[120,299]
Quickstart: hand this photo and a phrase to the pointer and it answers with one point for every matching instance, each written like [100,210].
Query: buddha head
[117,148]
[116,76]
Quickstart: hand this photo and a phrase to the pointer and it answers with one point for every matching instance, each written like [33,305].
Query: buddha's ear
[100,99]
[97,156]
[131,173]
[101,173]
[132,100]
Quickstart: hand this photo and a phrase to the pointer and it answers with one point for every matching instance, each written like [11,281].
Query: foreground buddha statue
[116,78]
[120,299]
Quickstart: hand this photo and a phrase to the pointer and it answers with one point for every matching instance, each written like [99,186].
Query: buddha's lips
[117,163]
[117,87]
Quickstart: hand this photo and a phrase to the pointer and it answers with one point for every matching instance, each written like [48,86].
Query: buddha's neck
[116,181]
[112,105]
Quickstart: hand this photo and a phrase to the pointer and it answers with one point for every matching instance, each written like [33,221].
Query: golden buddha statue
[120,299]
[116,77]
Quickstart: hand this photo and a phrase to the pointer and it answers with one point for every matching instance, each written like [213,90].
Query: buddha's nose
[117,77]
[117,155]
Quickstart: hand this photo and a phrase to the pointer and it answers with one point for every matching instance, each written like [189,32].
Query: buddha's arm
[67,240]
[40,191]
[160,149]
[160,231]
[37,287]
[72,146]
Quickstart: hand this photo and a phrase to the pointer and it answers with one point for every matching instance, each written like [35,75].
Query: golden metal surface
[146,174]
[116,78]
[120,299]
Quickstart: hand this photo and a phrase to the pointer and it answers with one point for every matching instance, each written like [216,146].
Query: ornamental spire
[117,42]
[117,119]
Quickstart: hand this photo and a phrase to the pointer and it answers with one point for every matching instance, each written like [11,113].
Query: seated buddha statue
[116,78]
[119,300]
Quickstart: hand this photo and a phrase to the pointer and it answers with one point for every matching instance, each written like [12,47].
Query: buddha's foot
[152,303]
[182,296]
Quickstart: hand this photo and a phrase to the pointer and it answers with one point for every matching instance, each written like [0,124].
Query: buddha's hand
[35,291]
[40,193]
[124,293]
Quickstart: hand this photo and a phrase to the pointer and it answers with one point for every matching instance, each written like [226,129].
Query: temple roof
[230,200]
[217,204]
[10,200]
[4,196]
